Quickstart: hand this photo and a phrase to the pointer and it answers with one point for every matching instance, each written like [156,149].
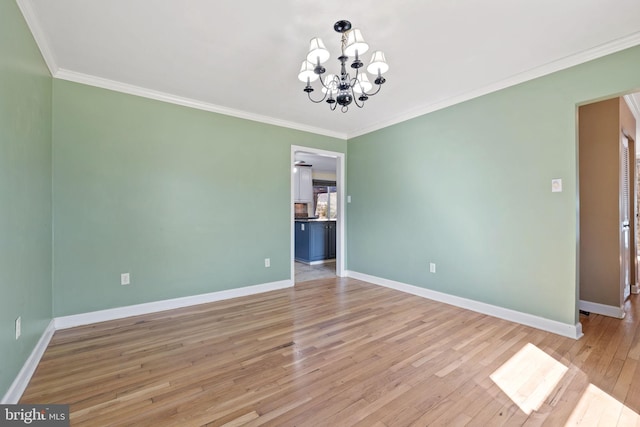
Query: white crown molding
[13,394]
[553,326]
[633,101]
[38,34]
[634,105]
[552,67]
[605,310]
[64,74]
[100,82]
[170,304]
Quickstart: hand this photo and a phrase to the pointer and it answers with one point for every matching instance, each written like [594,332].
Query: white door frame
[625,215]
[635,289]
[341,221]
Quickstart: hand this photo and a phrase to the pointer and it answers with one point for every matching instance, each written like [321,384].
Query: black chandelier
[342,89]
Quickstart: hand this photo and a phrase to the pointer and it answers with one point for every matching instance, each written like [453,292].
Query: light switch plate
[556,185]
[125,279]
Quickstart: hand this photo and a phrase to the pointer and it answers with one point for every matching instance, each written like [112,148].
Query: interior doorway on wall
[608,201]
[317,199]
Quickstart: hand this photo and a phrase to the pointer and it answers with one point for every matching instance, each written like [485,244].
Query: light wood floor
[305,272]
[340,352]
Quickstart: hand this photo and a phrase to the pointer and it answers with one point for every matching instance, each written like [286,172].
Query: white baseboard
[635,289]
[605,310]
[559,328]
[13,394]
[322,261]
[170,304]
[21,381]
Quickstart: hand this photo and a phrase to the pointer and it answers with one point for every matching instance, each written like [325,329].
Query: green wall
[25,192]
[469,188]
[191,202]
[186,201]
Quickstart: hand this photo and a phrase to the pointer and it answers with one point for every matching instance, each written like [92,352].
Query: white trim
[633,106]
[170,304]
[341,220]
[64,74]
[341,241]
[552,67]
[100,82]
[319,262]
[21,381]
[33,23]
[553,326]
[13,394]
[635,289]
[322,261]
[605,310]
[579,333]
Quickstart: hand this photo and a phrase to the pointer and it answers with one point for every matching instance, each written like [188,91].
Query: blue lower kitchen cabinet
[315,240]
[331,240]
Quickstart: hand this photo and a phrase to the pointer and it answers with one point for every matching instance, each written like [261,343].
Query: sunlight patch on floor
[597,408]
[529,377]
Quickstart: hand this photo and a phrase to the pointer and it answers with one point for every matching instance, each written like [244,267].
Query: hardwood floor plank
[339,352]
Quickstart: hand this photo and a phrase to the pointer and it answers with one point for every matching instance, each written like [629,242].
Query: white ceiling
[318,162]
[242,57]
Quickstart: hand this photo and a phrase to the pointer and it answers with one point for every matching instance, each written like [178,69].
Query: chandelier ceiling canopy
[342,89]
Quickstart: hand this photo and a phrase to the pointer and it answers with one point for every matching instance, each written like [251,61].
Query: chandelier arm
[318,101]
[355,78]
[322,83]
[374,93]
[352,84]
[355,101]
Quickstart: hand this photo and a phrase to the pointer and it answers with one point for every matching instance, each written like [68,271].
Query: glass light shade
[378,63]
[306,72]
[317,50]
[331,82]
[364,86]
[355,41]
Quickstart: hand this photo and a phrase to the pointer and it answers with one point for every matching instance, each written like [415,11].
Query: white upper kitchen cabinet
[302,184]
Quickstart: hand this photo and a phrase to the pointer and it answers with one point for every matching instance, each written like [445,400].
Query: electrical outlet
[18,327]
[432,267]
[267,262]
[125,279]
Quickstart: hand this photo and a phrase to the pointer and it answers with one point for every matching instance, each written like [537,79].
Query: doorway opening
[607,214]
[317,214]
